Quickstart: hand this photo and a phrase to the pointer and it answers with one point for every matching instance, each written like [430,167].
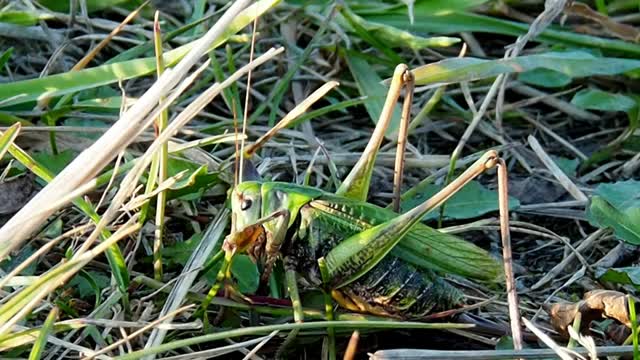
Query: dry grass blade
[403,133]
[189,274]
[128,183]
[556,270]
[44,102]
[552,9]
[352,347]
[563,353]
[411,354]
[84,188]
[252,354]
[586,341]
[20,305]
[134,334]
[620,30]
[92,160]
[556,171]
[41,251]
[295,113]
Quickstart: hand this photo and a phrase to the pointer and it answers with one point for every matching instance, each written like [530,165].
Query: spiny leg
[296,304]
[505,234]
[403,133]
[276,233]
[328,306]
[359,253]
[356,184]
[356,255]
[238,240]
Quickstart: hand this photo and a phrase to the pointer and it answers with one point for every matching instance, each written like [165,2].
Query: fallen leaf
[596,304]
[619,30]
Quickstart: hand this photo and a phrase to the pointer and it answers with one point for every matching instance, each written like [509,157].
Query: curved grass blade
[385,37]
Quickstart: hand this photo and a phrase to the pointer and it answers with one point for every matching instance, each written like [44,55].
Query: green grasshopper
[369,259]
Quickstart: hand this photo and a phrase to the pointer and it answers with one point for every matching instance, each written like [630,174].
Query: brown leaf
[622,31]
[562,315]
[609,303]
[597,304]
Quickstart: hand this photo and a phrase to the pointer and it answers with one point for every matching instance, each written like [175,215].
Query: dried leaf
[596,305]
[622,31]
[611,304]
[562,315]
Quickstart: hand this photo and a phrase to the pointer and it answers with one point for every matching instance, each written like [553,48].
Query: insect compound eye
[246,203]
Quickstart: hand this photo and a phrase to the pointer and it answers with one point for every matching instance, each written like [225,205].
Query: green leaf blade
[617,206]
[370,85]
[471,201]
[595,99]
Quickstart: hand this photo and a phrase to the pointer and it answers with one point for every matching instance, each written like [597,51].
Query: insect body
[370,259]
[310,224]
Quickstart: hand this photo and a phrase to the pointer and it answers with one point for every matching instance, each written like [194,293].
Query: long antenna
[246,99]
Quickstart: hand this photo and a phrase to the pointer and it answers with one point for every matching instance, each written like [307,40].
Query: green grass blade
[114,255]
[611,206]
[6,139]
[634,327]
[574,64]
[25,337]
[385,37]
[356,23]
[4,57]
[370,85]
[66,83]
[254,330]
[24,18]
[161,159]
[92,6]
[41,341]
[453,22]
[9,119]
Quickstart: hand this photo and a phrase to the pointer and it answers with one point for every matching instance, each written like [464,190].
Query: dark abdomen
[392,287]
[400,289]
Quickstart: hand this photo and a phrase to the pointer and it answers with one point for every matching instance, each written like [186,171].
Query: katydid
[374,260]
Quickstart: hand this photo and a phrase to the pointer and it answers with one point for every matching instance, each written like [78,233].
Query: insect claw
[264,279]
[233,293]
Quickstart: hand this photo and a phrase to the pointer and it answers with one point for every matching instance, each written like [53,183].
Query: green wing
[423,246]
